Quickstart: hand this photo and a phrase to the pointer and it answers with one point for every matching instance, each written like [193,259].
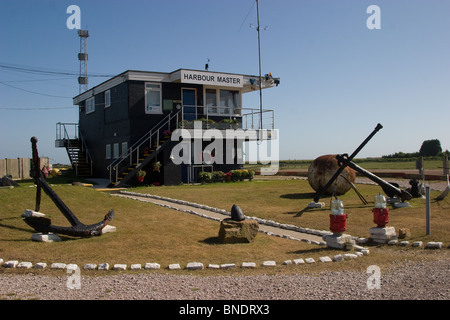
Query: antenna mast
[83,57]
[260,78]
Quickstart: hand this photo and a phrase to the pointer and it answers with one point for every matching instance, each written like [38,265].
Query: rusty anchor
[345,160]
[43,224]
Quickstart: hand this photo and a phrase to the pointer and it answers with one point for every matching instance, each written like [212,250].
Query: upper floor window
[222,102]
[153,98]
[90,105]
[107,99]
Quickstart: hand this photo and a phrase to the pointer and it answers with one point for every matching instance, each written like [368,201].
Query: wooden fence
[19,168]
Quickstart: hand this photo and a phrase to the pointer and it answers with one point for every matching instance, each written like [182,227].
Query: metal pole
[260,78]
[427,191]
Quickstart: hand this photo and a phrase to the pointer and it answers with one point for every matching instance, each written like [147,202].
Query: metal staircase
[123,169]
[76,149]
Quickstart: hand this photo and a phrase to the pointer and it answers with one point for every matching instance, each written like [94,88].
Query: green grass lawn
[150,233]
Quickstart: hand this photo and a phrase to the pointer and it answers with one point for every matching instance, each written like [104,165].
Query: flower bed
[220,176]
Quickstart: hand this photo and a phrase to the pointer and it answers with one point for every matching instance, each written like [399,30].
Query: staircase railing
[63,139]
[134,153]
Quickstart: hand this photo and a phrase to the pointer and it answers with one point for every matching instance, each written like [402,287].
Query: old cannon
[344,162]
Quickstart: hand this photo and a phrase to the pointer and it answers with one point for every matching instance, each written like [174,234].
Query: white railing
[215,117]
[133,154]
[63,136]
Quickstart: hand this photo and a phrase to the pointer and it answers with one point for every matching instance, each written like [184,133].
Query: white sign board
[212,78]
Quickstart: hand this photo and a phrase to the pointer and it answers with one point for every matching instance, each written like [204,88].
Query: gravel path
[421,280]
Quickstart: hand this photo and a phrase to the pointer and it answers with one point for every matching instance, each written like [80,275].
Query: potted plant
[166,133]
[205,177]
[228,176]
[156,166]
[140,175]
[218,176]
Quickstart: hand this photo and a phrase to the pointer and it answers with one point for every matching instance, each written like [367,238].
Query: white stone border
[359,252]
[131,195]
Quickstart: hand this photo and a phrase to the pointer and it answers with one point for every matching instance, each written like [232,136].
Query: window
[116,150]
[124,148]
[108,151]
[222,102]
[107,99]
[153,98]
[211,100]
[229,100]
[90,105]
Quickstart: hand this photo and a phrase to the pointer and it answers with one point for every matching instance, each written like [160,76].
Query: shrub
[205,177]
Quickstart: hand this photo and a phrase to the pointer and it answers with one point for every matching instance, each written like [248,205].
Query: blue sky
[338,78]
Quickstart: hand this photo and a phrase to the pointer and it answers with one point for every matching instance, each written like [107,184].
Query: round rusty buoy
[322,170]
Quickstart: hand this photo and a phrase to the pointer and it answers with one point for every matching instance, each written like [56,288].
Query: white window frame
[90,105]
[107,98]
[153,109]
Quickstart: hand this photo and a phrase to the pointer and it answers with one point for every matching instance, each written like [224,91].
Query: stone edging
[224,212]
[176,266]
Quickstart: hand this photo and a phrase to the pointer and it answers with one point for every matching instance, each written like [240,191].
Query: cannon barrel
[386,186]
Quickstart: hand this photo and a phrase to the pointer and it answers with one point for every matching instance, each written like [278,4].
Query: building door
[189,104]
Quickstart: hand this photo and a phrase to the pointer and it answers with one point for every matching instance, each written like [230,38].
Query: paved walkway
[281,231]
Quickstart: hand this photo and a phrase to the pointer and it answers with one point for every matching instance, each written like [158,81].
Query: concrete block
[40,265]
[152,265]
[338,257]
[299,261]
[401,205]
[433,245]
[71,267]
[316,205]
[325,259]
[174,266]
[248,265]
[136,266]
[194,266]
[108,228]
[30,213]
[270,263]
[90,266]
[45,237]
[1,261]
[103,266]
[417,244]
[365,252]
[227,266]
[338,241]
[349,256]
[287,262]
[120,266]
[11,264]
[382,235]
[310,260]
[58,266]
[25,265]
[404,243]
[213,266]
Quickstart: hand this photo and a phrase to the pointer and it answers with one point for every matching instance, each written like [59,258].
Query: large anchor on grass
[43,224]
[345,160]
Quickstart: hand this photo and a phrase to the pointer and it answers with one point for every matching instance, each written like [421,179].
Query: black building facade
[126,123]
